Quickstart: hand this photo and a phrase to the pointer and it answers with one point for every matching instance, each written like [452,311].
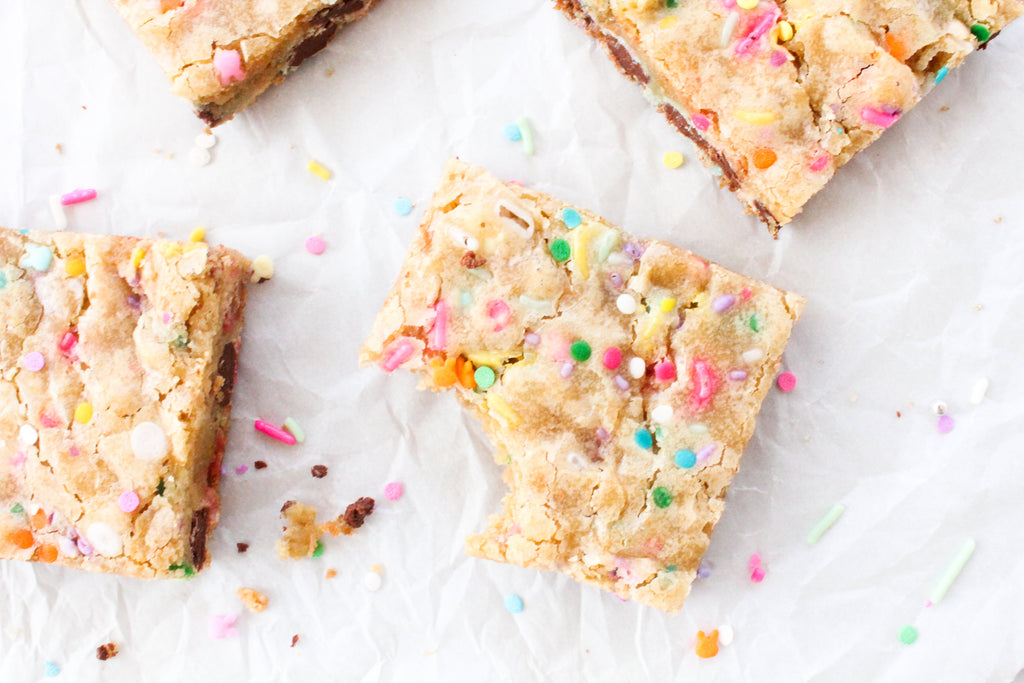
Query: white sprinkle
[728,28]
[637,367]
[725,635]
[28,435]
[206,140]
[372,581]
[57,209]
[472,243]
[662,414]
[626,304]
[104,540]
[148,441]
[199,156]
[752,356]
[940,408]
[978,391]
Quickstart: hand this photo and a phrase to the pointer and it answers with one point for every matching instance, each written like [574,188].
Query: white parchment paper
[912,261]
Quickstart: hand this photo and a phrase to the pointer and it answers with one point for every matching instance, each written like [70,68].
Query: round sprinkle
[393,490]
[241,469]
[672,159]
[580,351]
[703,571]
[21,538]
[686,459]
[148,441]
[50,669]
[512,133]
[33,361]
[560,250]
[197,235]
[981,32]
[128,501]
[206,140]
[403,206]
[787,381]
[662,497]
[764,158]
[945,424]
[484,377]
[665,371]
[637,367]
[662,414]
[531,338]
[28,435]
[621,382]
[513,603]
[199,156]
[754,561]
[571,218]
[262,268]
[612,358]
[626,304]
[644,439]
[315,245]
[83,413]
[373,581]
[908,634]
[104,540]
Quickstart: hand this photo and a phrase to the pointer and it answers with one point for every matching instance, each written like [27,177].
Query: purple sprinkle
[531,338]
[723,303]
[166,317]
[738,375]
[945,424]
[705,453]
[567,369]
[241,469]
[621,383]
[602,434]
[703,571]
[134,302]
[223,470]
[83,546]
[635,251]
[616,279]
[67,546]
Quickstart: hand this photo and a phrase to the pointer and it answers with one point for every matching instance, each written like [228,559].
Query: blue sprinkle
[512,133]
[686,458]
[403,207]
[51,669]
[571,218]
[644,439]
[940,74]
[37,256]
[513,603]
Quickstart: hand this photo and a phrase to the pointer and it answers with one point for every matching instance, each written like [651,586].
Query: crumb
[330,72]
[943,108]
[331,573]
[60,148]
[295,639]
[253,599]
[300,535]
[899,414]
[353,518]
[259,464]
[105,652]
[999,219]
[319,471]
[242,547]
[84,108]
[208,131]
[979,307]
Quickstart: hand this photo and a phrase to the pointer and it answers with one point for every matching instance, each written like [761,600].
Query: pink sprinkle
[728,4]
[602,434]
[927,603]
[48,421]
[393,490]
[702,378]
[701,122]
[315,245]
[745,293]
[500,313]
[74,452]
[754,562]
[759,30]
[883,118]
[945,424]
[128,501]
[241,469]
[612,358]
[166,317]
[18,459]
[77,196]
[819,162]
[33,361]
[665,371]
[400,352]
[223,626]
[706,452]
[275,432]
[531,338]
[757,576]
[438,338]
[786,381]
[228,66]
[778,58]
[67,342]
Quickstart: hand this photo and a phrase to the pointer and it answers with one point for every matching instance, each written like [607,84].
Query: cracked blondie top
[777,95]
[617,378]
[118,359]
[221,55]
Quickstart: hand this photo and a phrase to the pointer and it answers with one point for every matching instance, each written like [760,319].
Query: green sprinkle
[755,324]
[981,33]
[672,3]
[560,250]
[17,509]
[580,351]
[526,133]
[908,634]
[293,428]
[160,487]
[181,341]
[319,550]
[952,571]
[484,377]
[662,497]
[183,566]
[670,568]
[825,523]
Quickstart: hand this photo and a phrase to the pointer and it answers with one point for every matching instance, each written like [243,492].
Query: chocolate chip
[105,652]
[357,512]
[242,547]
[295,639]
[197,537]
[624,59]
[319,471]
[227,368]
[321,29]
[259,464]
[471,260]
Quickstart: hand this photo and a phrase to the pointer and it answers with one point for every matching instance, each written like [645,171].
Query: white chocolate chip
[576,460]
[27,435]
[104,540]
[262,268]
[148,441]
[752,356]
[199,156]
[206,140]
[978,391]
[662,414]
[626,304]
[637,367]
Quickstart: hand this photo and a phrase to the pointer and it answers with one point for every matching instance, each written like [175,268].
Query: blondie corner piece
[778,95]
[222,55]
[617,378]
[118,358]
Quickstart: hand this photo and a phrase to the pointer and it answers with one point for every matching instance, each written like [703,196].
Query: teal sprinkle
[686,458]
[319,548]
[644,439]
[513,603]
[3,279]
[17,509]
[512,133]
[38,257]
[670,568]
[659,433]
[51,669]
[941,74]
[485,377]
[465,298]
[571,218]
[403,207]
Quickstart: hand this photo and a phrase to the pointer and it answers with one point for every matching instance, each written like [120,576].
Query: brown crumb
[319,471]
[357,512]
[253,599]
[331,573]
[295,639]
[242,547]
[105,652]
[471,260]
[259,464]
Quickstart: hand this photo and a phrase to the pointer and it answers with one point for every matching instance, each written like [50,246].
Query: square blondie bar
[222,55]
[118,358]
[617,378]
[778,95]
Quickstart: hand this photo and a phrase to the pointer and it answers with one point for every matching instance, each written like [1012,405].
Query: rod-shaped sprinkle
[76,196]
[825,523]
[275,432]
[527,134]
[952,571]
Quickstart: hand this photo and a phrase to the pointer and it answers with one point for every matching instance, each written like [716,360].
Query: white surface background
[911,260]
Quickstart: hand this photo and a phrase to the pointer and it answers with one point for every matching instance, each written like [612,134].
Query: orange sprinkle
[47,553]
[764,158]
[707,645]
[896,47]
[331,573]
[39,520]
[22,538]
[464,371]
[443,373]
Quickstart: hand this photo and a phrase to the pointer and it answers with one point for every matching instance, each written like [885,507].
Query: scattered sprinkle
[274,432]
[725,635]
[662,414]
[106,651]
[513,603]
[786,381]
[262,268]
[940,408]
[315,245]
[33,361]
[128,501]
[883,118]
[759,118]
[945,424]
[200,156]
[77,196]
[738,375]
[908,634]
[83,413]
[37,256]
[330,573]
[318,551]
[703,570]
[560,250]
[403,207]
[757,576]
[571,217]
[227,64]
[707,645]
[27,435]
[318,170]
[978,391]
[222,626]
[21,538]
[672,159]
[393,490]
[952,571]
[104,540]
[643,438]
[527,135]
[665,371]
[941,74]
[148,441]
[612,358]
[319,471]
[293,428]
[580,351]
[373,581]
[728,27]
[626,304]
[825,523]
[50,669]
[512,133]
[685,458]
[662,497]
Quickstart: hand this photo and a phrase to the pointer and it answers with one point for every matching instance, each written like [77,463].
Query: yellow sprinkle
[498,405]
[318,170]
[747,4]
[667,21]
[580,239]
[83,413]
[672,159]
[169,250]
[652,325]
[74,267]
[785,31]
[137,256]
[756,117]
[667,304]
[197,235]
[492,358]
